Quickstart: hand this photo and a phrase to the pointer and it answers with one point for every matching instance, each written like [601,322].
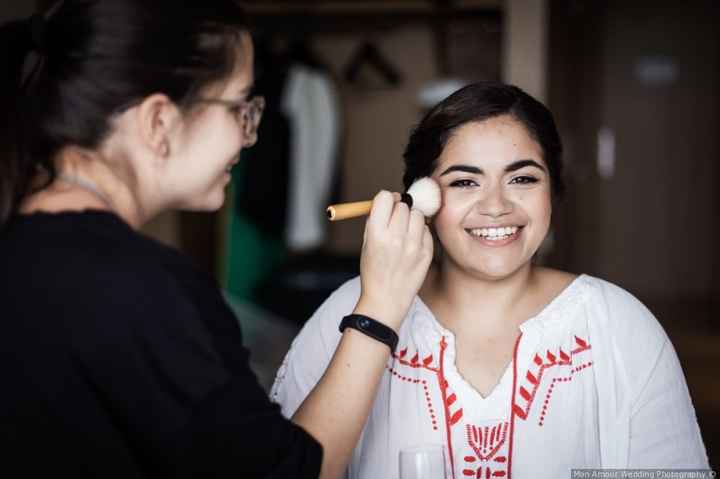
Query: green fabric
[249,256]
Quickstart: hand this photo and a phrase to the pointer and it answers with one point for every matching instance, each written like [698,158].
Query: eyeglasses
[248,114]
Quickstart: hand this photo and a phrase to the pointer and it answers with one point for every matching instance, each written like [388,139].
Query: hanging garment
[311,104]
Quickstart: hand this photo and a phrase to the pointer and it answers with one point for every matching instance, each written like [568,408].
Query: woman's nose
[494,203]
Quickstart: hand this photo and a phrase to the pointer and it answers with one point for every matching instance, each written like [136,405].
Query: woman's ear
[156,116]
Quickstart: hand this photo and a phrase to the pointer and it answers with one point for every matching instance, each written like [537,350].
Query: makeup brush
[423,195]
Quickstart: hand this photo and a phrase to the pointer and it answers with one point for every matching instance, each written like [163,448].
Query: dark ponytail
[64,77]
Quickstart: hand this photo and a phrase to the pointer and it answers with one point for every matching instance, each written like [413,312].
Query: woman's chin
[208,203]
[497,271]
[493,275]
[215,203]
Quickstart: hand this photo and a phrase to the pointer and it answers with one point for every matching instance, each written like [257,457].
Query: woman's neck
[461,301]
[86,183]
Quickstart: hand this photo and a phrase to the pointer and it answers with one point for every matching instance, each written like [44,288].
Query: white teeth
[494,233]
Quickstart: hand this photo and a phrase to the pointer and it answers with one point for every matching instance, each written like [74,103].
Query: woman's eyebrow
[514,166]
[464,168]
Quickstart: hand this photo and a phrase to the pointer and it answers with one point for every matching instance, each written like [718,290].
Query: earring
[164,148]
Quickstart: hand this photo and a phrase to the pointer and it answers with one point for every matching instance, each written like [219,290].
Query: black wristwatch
[372,328]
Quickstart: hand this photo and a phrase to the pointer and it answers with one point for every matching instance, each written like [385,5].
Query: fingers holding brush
[399,219]
[419,237]
[394,260]
[416,223]
[419,231]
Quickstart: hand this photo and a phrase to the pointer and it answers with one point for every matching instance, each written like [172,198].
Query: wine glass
[423,462]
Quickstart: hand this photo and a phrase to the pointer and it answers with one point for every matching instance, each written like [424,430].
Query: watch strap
[370,327]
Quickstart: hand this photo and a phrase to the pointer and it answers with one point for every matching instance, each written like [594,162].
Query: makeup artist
[118,357]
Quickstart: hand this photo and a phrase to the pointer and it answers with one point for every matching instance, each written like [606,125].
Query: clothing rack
[304,18]
[354,17]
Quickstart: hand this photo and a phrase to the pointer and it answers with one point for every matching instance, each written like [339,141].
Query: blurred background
[634,86]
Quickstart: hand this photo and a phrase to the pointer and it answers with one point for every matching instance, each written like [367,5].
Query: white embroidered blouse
[594,382]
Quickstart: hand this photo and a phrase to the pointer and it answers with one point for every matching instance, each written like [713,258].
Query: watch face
[363,323]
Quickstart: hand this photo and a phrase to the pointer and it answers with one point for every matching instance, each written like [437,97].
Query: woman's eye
[523,180]
[463,183]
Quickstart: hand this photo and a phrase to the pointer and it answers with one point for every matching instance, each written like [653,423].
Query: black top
[118,358]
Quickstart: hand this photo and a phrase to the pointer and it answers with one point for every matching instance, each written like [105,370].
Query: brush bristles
[426,196]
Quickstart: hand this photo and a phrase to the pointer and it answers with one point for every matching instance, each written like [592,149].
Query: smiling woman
[514,368]
[496,192]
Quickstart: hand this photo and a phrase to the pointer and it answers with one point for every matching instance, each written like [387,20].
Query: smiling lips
[499,236]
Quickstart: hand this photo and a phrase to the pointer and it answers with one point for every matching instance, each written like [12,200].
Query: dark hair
[65,74]
[475,103]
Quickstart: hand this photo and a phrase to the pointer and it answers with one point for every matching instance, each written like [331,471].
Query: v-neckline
[502,388]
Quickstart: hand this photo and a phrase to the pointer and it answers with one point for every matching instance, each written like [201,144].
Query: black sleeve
[171,371]
[268,447]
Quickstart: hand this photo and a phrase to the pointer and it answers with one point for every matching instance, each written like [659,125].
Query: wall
[10,9]
[377,121]
[525,45]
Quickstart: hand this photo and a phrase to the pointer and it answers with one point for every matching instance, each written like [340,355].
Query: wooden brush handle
[348,210]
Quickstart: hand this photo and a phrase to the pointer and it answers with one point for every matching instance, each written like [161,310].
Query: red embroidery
[486,442]
[452,416]
[423,382]
[413,363]
[541,422]
[479,473]
[512,400]
[528,391]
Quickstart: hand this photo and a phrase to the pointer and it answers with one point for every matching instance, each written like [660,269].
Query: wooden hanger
[368,55]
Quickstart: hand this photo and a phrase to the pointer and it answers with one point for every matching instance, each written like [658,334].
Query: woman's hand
[396,254]
[397,250]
